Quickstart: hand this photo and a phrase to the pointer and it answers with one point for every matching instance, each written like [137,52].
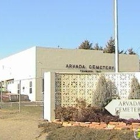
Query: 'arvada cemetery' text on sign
[124,108]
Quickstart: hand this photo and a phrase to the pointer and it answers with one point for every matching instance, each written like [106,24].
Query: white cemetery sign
[126,109]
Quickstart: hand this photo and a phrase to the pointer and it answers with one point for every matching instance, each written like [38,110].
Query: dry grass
[84,133]
[21,125]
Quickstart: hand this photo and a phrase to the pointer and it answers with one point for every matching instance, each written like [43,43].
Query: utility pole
[116,36]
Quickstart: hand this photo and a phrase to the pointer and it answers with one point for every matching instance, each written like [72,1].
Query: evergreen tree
[100,93]
[135,89]
[97,47]
[86,45]
[131,52]
[104,93]
[110,47]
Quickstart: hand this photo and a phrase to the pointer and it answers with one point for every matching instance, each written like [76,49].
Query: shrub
[66,113]
[135,89]
[104,93]
[84,133]
[48,127]
[87,114]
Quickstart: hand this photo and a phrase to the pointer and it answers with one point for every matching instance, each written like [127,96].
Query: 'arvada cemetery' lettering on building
[96,67]
[101,67]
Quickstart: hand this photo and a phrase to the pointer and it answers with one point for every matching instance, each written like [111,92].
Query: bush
[104,93]
[135,89]
[48,127]
[66,113]
[86,114]
[83,133]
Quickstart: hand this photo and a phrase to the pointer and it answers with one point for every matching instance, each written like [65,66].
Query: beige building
[27,67]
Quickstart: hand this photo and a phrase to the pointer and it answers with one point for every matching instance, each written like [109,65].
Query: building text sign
[91,67]
[124,108]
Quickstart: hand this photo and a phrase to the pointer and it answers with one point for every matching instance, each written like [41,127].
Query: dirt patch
[20,126]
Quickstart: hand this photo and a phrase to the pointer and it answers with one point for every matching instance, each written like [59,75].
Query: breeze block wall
[67,87]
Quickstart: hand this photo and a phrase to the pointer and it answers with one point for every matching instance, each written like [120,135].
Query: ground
[21,125]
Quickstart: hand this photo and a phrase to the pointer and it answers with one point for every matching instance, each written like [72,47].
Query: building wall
[20,66]
[60,60]
[128,63]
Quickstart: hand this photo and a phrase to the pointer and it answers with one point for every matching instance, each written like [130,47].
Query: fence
[16,106]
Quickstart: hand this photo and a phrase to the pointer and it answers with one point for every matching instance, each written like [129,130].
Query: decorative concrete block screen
[68,87]
[62,89]
[122,81]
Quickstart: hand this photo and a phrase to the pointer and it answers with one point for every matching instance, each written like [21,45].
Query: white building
[20,66]
[25,69]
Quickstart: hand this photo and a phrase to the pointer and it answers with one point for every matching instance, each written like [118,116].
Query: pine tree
[131,52]
[86,45]
[100,93]
[97,47]
[135,89]
[110,47]
[104,93]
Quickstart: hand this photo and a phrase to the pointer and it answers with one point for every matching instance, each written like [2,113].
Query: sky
[66,23]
